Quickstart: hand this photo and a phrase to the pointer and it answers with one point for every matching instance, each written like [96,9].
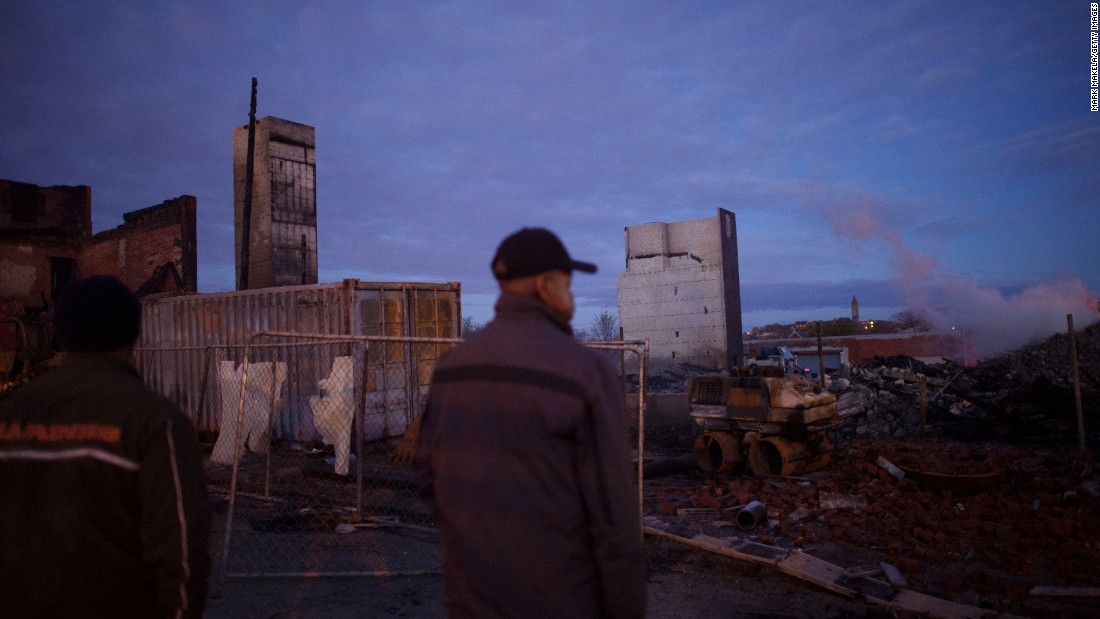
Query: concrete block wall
[699,238]
[679,310]
[672,292]
[647,246]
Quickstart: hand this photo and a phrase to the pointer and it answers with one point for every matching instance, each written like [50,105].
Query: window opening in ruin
[62,271]
[24,203]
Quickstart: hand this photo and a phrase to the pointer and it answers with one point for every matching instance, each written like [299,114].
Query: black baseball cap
[532,251]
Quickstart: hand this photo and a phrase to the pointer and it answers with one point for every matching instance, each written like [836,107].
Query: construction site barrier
[315,434]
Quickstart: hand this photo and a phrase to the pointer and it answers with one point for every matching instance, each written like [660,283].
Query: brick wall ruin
[154,250]
[46,241]
[42,232]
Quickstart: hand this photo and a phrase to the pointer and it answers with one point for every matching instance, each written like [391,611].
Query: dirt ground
[987,525]
[684,583]
[1038,525]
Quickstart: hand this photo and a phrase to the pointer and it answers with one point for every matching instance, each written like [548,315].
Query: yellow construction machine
[773,419]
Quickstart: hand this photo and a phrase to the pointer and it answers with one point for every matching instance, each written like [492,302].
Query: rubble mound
[1026,396]
[967,480]
[672,378]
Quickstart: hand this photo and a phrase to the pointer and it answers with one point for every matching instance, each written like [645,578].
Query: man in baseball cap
[533,263]
[524,456]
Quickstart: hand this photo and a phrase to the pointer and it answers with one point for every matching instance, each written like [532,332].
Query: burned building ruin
[682,291]
[282,239]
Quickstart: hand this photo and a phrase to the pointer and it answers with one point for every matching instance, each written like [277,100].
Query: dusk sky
[936,156]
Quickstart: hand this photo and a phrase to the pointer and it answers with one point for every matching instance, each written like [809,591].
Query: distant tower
[855,310]
[283,234]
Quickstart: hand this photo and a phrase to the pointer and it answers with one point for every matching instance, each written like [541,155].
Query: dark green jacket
[103,506]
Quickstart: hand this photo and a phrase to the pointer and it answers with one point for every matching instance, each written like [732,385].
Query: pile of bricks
[1025,395]
[1038,526]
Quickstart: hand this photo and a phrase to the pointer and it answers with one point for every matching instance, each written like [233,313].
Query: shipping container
[188,341]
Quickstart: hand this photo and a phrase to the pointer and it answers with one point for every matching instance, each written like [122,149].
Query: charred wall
[154,250]
[46,241]
[282,247]
[42,232]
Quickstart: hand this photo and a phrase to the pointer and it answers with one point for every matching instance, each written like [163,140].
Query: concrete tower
[682,291]
[283,232]
[855,310]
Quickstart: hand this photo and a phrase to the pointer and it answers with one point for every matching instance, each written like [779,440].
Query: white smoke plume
[997,323]
[993,321]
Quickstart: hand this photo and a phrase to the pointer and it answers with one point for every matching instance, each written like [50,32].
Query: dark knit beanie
[97,314]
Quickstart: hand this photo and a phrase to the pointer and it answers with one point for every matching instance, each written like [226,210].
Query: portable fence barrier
[314,442]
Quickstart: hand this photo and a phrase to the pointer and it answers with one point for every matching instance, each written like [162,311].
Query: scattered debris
[697,512]
[830,500]
[1091,592]
[817,571]
[890,468]
[863,571]
[1025,396]
[893,575]
[750,516]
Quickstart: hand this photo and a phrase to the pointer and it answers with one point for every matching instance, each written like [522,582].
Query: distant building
[928,347]
[855,310]
[283,232]
[681,290]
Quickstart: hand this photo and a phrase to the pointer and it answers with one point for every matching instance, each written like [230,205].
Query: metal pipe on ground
[751,515]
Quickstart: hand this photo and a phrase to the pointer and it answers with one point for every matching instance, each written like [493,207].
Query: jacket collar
[92,360]
[516,305]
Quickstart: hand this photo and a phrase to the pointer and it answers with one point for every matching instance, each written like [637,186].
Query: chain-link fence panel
[631,358]
[309,425]
[314,442]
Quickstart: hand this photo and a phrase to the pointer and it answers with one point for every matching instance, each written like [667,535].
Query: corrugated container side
[184,338]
